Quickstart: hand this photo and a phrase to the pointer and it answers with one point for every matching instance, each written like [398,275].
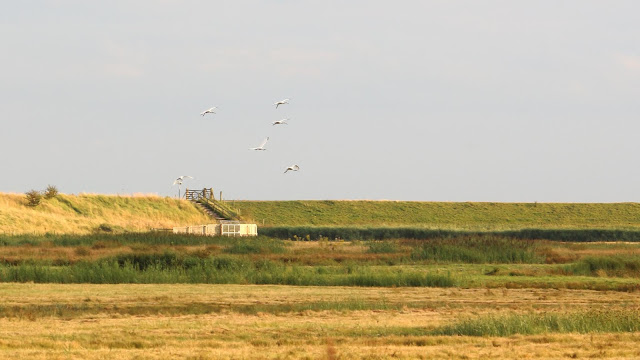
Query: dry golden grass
[85,213]
[114,331]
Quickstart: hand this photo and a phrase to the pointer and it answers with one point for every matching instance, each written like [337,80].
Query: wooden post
[220,195]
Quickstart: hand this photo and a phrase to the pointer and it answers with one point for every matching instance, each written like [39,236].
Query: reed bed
[601,321]
[612,266]
[385,233]
[478,250]
[168,269]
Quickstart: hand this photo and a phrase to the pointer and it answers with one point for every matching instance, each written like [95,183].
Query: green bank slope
[443,215]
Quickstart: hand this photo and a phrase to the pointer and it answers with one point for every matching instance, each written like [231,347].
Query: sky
[495,100]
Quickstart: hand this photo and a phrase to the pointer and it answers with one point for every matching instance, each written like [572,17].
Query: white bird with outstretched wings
[281,102]
[179,180]
[209,111]
[261,147]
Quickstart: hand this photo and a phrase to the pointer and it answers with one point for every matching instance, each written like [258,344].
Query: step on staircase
[212,214]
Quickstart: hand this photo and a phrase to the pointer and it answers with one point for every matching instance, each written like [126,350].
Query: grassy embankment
[475,216]
[366,220]
[86,214]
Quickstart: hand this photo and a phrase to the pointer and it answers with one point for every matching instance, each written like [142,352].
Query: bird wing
[296,167]
[264,143]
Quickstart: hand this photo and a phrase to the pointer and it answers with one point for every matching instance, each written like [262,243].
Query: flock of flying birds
[261,147]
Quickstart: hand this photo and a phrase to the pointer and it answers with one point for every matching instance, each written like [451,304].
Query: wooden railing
[195,195]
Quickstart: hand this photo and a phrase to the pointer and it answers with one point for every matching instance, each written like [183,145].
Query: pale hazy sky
[408,100]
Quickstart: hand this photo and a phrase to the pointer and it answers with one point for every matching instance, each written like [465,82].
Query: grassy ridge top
[443,215]
[83,214]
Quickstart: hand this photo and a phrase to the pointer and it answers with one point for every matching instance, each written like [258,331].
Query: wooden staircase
[205,200]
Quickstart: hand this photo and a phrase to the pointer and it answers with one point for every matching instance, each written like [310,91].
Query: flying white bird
[281,102]
[261,147]
[179,180]
[280,122]
[292,168]
[208,111]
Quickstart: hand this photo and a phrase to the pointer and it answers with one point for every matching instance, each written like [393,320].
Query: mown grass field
[283,322]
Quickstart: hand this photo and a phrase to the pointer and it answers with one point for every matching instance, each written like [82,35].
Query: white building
[225,228]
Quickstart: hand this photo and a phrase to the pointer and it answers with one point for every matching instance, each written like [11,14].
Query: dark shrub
[50,192]
[33,197]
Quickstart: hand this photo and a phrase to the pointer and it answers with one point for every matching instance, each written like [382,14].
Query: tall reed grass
[537,323]
[382,247]
[382,233]
[256,246]
[148,238]
[478,250]
[223,269]
[619,266]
